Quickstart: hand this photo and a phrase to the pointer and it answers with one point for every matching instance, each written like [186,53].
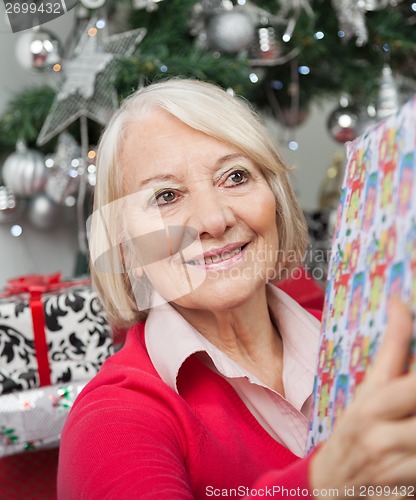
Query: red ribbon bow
[38,282]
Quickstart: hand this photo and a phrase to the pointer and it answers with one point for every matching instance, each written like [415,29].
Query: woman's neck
[246,334]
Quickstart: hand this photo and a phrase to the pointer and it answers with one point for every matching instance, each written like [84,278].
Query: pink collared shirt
[284,418]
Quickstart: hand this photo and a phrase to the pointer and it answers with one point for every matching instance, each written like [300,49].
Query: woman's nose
[211,214]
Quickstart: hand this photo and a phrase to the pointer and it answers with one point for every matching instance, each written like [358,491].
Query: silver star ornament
[88,88]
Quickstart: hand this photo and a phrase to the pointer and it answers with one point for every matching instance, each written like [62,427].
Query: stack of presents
[53,339]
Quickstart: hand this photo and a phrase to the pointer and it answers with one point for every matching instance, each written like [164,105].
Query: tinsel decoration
[65,164]
[88,88]
[66,150]
[351,17]
[62,186]
[295,7]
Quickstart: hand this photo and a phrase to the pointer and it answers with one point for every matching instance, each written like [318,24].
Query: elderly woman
[210,394]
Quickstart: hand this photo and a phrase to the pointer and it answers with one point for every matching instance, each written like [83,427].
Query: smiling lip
[224,255]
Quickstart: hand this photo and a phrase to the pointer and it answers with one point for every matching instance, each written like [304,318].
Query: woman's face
[183,182]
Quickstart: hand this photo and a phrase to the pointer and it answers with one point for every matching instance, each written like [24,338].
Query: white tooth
[214,259]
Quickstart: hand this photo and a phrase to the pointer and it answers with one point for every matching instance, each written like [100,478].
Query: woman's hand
[374,442]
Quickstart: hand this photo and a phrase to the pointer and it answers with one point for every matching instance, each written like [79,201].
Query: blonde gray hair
[211,110]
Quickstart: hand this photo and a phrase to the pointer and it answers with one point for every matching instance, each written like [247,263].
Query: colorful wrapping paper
[373,259]
[33,419]
[50,332]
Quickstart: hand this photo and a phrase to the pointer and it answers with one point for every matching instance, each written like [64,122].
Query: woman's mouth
[219,260]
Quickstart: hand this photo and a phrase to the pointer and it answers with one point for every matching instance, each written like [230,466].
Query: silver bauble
[43,213]
[230,31]
[344,123]
[24,171]
[10,206]
[38,50]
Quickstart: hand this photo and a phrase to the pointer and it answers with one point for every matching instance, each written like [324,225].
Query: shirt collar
[170,340]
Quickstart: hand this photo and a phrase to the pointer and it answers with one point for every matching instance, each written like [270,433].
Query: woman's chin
[221,294]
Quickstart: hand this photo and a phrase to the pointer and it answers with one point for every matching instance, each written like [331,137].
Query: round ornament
[38,50]
[24,171]
[230,31]
[43,212]
[344,123]
[10,207]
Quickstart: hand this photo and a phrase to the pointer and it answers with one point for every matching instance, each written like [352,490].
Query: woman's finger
[397,400]
[392,357]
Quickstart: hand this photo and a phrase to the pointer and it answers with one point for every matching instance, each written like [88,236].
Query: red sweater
[130,436]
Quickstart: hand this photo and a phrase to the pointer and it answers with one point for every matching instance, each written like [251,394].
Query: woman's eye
[166,197]
[236,178]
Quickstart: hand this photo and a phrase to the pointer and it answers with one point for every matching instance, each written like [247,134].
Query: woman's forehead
[161,145]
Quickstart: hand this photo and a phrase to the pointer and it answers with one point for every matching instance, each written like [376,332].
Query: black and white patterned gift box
[51,332]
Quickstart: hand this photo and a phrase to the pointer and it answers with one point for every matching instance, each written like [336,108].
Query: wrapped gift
[33,419]
[50,332]
[373,259]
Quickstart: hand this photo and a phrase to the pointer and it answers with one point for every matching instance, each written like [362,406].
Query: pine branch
[24,115]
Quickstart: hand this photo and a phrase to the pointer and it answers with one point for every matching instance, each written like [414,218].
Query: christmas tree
[280,54]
